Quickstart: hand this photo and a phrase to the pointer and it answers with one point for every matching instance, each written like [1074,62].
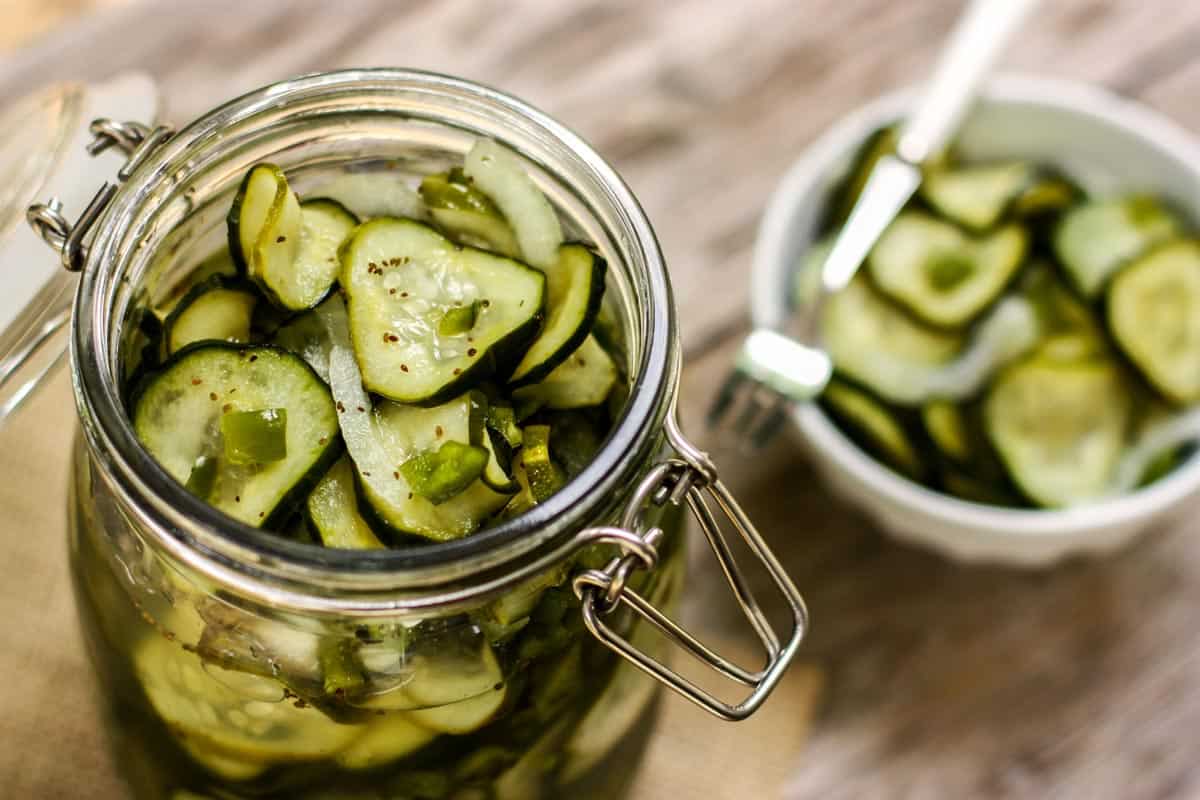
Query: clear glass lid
[43,138]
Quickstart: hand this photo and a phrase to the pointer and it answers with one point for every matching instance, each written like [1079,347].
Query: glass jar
[508,664]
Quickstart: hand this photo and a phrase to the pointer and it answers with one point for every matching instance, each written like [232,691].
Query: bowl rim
[812,172]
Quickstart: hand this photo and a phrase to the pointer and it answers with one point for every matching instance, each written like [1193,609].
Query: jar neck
[176,200]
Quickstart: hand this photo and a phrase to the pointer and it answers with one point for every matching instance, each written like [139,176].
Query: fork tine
[725,397]
[751,409]
[773,419]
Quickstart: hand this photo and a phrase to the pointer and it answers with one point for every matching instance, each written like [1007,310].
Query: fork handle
[976,41]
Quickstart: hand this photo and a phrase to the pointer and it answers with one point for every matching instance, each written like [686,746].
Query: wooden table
[926,679]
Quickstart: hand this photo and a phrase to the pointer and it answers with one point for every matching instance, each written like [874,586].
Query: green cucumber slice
[457,696]
[1049,194]
[401,277]
[454,190]
[585,379]
[217,309]
[387,739]
[947,429]
[325,224]
[977,196]
[178,416]
[477,230]
[1154,315]
[203,710]
[333,513]
[873,426]
[940,274]
[865,333]
[500,175]
[1093,240]
[878,346]
[544,476]
[1059,427]
[499,453]
[264,235]
[574,289]
[307,334]
[381,438]
[1069,329]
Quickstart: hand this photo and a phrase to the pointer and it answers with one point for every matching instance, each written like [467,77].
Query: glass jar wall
[238,663]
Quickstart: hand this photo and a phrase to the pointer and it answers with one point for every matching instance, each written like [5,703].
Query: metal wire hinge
[691,478]
[137,142]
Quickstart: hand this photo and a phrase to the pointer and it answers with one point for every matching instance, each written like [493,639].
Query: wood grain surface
[927,679]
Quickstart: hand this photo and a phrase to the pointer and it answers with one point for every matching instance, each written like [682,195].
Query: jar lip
[216,544]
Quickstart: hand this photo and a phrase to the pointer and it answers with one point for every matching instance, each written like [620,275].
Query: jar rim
[307,576]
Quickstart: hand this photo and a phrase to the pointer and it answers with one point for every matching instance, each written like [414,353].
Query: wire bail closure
[137,142]
[690,478]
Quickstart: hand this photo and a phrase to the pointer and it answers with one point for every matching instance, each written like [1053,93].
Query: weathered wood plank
[940,681]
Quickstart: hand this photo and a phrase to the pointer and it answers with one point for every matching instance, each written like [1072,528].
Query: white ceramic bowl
[1106,143]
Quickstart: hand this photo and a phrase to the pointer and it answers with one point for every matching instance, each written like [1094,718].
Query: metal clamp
[691,478]
[137,142]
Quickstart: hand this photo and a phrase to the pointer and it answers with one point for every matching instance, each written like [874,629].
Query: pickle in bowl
[1011,340]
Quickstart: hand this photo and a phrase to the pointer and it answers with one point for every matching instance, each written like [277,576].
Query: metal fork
[777,368]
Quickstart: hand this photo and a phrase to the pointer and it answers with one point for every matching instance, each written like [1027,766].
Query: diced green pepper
[458,320]
[340,671]
[203,477]
[454,190]
[255,437]
[438,475]
[545,477]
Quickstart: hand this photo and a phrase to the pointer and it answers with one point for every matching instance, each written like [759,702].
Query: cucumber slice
[520,602]
[225,767]
[307,334]
[380,439]
[477,230]
[947,429]
[941,275]
[1059,428]
[544,476]
[387,739]
[496,472]
[585,379]
[1154,315]
[264,235]
[574,289]
[217,309]
[879,144]
[878,346]
[874,427]
[206,714]
[324,225]
[467,215]
[1093,240]
[401,277]
[1049,194]
[977,196]
[1069,329]
[178,420]
[500,175]
[456,696]
[333,511]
